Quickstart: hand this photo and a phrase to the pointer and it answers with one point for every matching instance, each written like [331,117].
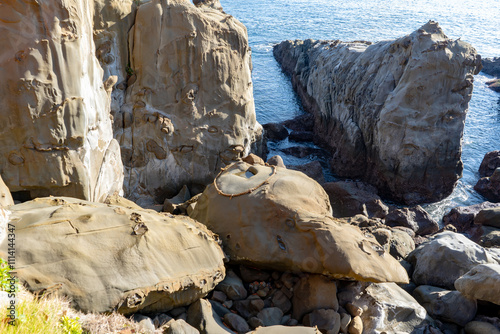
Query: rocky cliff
[173,78]
[189,105]
[56,135]
[392,112]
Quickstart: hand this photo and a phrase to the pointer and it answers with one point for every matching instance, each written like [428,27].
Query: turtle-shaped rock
[280,219]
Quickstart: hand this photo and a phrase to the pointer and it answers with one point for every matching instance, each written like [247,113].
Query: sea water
[475,21]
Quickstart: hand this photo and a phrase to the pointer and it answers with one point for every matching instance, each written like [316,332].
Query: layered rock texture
[189,106]
[278,218]
[113,257]
[56,135]
[392,112]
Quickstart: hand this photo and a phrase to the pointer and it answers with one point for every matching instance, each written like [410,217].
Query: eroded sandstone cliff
[392,112]
[189,106]
[56,136]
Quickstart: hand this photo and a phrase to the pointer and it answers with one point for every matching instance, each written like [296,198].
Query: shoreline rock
[366,97]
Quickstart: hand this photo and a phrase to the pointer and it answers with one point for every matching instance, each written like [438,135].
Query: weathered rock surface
[202,317]
[463,218]
[351,198]
[488,217]
[56,136]
[490,237]
[393,112]
[327,320]
[489,187]
[5,195]
[314,292]
[481,282]
[387,308]
[112,23]
[491,66]
[280,219]
[445,257]
[180,327]
[490,162]
[480,327]
[109,257]
[445,305]
[181,122]
[415,218]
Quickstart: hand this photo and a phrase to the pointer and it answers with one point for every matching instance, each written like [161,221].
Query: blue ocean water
[271,21]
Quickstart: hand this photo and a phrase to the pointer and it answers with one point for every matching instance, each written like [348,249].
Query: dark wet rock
[301,123]
[232,286]
[351,198]
[494,85]
[145,323]
[301,136]
[281,301]
[327,320]
[249,307]
[270,316]
[491,161]
[303,151]
[489,187]
[462,218]
[415,218]
[275,131]
[491,66]
[255,322]
[312,169]
[236,322]
[219,308]
[249,275]
[450,306]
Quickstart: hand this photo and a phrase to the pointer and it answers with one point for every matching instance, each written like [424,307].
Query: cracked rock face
[56,135]
[392,112]
[189,105]
[280,219]
[117,256]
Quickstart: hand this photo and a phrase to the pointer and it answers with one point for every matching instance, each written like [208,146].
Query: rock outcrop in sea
[392,113]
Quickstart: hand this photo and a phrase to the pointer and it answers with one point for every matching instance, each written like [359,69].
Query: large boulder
[481,282]
[386,307]
[351,198]
[445,305]
[489,187]
[392,112]
[280,219]
[488,217]
[113,257]
[189,107]
[491,66]
[463,218]
[491,161]
[445,257]
[57,136]
[415,218]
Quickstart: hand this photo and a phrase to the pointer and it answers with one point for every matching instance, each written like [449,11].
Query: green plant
[71,325]
[6,278]
[129,70]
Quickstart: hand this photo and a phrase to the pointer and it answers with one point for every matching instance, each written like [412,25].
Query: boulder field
[391,113]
